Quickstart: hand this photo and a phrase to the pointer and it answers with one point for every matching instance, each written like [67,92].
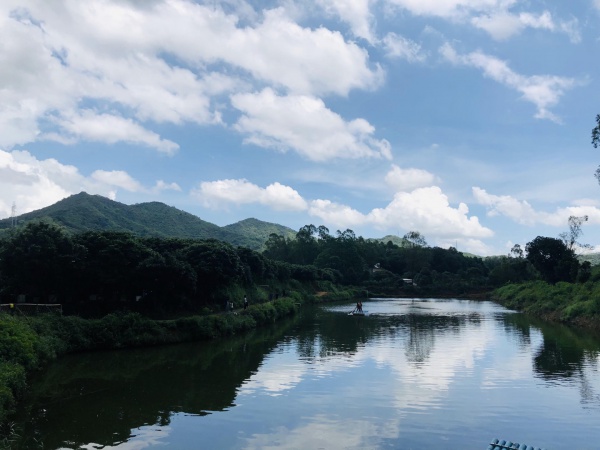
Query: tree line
[413,265]
[104,271]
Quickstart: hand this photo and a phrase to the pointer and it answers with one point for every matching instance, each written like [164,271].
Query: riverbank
[575,304]
[28,343]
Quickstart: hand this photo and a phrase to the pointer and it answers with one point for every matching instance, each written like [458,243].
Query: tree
[552,259]
[38,260]
[570,238]
[516,252]
[596,132]
[277,247]
[414,239]
[306,246]
[596,142]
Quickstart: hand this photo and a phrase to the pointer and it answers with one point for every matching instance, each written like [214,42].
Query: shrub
[12,386]
[17,342]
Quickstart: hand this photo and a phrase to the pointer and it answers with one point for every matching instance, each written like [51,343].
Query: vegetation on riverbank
[29,343]
[570,303]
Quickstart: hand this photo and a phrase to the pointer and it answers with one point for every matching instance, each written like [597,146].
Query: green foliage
[112,271]
[84,212]
[26,343]
[568,302]
[18,345]
[36,260]
[12,386]
[552,259]
[17,342]
[253,233]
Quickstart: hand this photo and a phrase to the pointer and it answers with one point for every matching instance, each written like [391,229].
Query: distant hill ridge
[85,212]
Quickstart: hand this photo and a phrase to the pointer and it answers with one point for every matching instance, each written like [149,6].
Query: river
[411,374]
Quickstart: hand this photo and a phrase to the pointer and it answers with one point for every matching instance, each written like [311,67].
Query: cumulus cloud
[451,9]
[117,178]
[397,46]
[217,194]
[494,16]
[523,213]
[354,12]
[336,214]
[503,24]
[163,186]
[408,179]
[544,91]
[33,184]
[428,210]
[304,124]
[170,61]
[111,129]
[425,209]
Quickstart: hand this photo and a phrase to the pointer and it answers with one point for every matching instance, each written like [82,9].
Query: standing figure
[245,302]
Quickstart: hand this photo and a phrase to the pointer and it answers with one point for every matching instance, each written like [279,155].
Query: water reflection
[412,374]
[101,397]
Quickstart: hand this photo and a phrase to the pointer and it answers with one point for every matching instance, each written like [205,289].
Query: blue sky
[466,120]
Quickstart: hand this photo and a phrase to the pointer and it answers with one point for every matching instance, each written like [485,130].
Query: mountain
[257,232]
[396,240]
[84,212]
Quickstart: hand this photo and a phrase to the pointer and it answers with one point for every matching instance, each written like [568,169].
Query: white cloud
[117,178]
[111,129]
[217,194]
[428,210]
[494,16]
[305,125]
[544,91]
[424,209]
[519,211]
[354,12]
[166,61]
[502,25]
[523,213]
[163,186]
[451,9]
[397,46]
[408,179]
[33,184]
[336,214]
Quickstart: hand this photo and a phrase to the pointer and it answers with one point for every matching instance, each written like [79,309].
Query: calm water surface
[412,374]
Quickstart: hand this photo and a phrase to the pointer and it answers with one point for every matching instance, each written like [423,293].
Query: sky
[468,121]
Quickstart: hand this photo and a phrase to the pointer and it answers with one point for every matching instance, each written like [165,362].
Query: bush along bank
[29,343]
[575,304]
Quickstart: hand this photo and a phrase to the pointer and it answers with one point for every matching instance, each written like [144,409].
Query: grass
[574,303]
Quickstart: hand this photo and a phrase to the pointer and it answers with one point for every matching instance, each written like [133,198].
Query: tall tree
[596,142]
[516,252]
[570,238]
[414,239]
[596,132]
[552,259]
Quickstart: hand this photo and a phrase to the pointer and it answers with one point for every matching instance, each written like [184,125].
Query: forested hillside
[84,212]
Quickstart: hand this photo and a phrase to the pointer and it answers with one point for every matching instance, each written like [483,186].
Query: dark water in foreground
[413,374]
